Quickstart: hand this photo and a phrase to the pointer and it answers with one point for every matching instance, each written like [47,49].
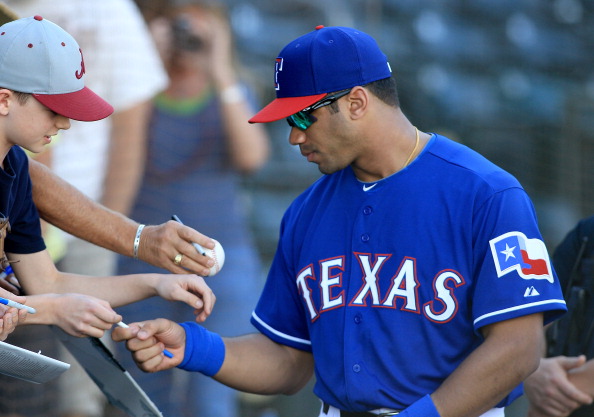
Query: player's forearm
[509,354]
[67,208]
[254,363]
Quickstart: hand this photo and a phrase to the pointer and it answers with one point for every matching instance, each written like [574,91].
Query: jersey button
[367,210]
[356,367]
[358,319]
[365,237]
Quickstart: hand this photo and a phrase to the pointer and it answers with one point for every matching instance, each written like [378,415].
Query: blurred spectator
[200,147]
[103,159]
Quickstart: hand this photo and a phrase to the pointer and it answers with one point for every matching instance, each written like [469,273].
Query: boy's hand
[82,315]
[147,340]
[191,289]
[10,284]
[10,317]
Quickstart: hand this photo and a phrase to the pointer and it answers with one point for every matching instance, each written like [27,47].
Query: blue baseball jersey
[388,283]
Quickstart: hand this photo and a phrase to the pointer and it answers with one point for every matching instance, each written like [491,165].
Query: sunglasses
[304,119]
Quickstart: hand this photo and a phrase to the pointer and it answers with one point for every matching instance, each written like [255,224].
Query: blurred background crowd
[512,79]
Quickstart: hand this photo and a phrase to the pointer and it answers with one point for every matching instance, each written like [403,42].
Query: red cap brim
[284,107]
[83,105]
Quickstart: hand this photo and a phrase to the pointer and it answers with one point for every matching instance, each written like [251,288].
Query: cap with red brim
[284,107]
[323,61]
[83,105]
[40,58]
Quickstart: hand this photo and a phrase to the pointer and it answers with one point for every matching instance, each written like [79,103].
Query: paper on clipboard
[113,380]
[29,366]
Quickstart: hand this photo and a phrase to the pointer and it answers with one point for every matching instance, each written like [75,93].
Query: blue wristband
[204,351]
[423,407]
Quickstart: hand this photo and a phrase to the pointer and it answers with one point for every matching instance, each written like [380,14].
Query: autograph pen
[6,274]
[20,306]
[125,326]
[199,248]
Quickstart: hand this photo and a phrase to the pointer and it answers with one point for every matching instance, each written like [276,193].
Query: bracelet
[204,351]
[137,240]
[232,94]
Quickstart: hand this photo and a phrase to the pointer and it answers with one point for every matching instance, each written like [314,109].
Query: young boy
[41,88]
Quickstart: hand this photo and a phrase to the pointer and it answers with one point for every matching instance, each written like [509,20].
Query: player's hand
[80,315]
[160,244]
[549,390]
[147,340]
[10,317]
[190,289]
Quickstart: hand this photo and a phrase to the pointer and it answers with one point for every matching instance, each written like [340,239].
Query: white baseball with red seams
[218,255]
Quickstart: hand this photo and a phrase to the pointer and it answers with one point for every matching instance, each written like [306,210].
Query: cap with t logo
[323,61]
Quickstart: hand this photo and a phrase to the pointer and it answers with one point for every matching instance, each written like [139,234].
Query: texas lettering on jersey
[402,292]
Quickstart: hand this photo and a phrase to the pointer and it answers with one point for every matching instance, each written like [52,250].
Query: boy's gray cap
[39,57]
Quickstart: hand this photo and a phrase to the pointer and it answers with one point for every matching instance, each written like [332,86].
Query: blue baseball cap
[323,61]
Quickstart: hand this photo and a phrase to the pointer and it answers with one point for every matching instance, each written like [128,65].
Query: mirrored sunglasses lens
[300,120]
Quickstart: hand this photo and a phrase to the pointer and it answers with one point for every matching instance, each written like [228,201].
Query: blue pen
[6,273]
[20,306]
[125,326]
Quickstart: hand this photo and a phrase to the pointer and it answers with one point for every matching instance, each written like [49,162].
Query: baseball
[218,254]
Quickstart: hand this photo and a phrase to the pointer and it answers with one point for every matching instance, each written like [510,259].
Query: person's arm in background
[248,143]
[583,378]
[126,158]
[62,205]
[562,384]
[559,386]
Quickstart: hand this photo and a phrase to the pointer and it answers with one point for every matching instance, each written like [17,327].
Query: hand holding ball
[218,255]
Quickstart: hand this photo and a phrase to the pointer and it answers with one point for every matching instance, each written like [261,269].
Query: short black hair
[384,89]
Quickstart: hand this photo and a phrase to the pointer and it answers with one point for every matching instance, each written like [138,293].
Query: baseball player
[411,278]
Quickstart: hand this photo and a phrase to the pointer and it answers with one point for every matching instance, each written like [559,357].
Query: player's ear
[358,102]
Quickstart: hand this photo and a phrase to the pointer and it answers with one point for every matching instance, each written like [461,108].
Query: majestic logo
[513,251]
[79,74]
[278,66]
[369,187]
[531,292]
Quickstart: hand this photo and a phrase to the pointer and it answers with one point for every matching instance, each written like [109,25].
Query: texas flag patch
[513,251]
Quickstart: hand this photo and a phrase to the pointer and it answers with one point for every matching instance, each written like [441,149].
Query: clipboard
[109,375]
[29,366]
